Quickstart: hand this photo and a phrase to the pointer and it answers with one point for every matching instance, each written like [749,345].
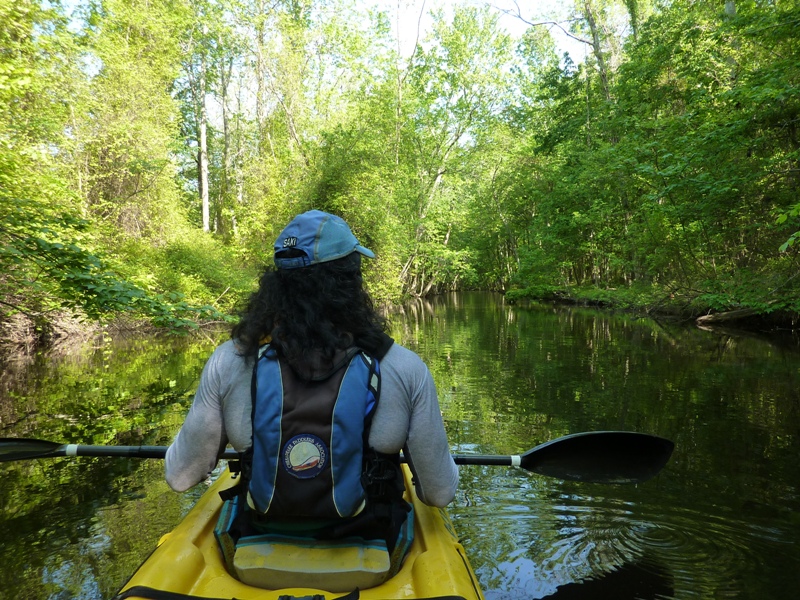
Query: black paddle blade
[600,457]
[25,448]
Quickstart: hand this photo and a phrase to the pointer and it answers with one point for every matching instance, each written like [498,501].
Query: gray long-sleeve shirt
[407,418]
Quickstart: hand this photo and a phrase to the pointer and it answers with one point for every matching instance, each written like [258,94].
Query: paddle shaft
[116,451]
[487,459]
[157,452]
[594,456]
[161,451]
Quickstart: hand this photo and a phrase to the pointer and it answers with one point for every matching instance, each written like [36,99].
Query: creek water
[722,520]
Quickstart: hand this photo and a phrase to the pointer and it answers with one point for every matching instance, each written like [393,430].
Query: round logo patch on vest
[304,456]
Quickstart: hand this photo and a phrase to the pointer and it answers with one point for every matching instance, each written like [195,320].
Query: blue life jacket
[311,475]
[310,437]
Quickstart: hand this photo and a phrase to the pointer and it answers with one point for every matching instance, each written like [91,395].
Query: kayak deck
[188,560]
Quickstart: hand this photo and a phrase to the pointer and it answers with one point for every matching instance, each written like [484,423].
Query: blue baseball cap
[320,236]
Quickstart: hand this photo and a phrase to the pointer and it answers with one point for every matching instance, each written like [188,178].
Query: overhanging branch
[518,15]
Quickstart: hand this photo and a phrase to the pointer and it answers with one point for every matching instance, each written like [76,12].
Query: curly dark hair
[318,309]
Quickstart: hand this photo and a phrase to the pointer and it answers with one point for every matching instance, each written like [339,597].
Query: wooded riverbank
[660,305]
[150,151]
[20,340]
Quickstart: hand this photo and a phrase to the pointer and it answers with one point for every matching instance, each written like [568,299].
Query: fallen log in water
[731,315]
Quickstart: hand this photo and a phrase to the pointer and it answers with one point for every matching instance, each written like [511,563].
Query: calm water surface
[721,521]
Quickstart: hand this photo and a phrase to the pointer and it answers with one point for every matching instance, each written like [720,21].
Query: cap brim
[364,251]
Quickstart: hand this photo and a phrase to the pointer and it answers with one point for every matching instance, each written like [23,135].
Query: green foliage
[200,269]
[677,182]
[76,183]
[666,159]
[782,218]
[125,122]
[398,167]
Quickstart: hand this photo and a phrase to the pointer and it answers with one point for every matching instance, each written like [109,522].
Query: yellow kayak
[188,563]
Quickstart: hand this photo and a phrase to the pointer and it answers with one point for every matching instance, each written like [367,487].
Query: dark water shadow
[641,580]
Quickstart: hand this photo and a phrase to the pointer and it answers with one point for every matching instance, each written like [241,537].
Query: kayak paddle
[26,448]
[594,456]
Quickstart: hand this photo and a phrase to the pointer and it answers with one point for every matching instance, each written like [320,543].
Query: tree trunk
[731,315]
[226,68]
[203,160]
[597,49]
[198,86]
[261,76]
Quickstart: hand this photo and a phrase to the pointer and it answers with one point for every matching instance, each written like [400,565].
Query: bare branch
[518,15]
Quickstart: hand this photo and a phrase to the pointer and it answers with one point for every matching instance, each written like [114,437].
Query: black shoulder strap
[377,348]
[374,386]
[383,348]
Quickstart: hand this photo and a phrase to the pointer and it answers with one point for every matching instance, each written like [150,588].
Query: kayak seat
[275,562]
[280,560]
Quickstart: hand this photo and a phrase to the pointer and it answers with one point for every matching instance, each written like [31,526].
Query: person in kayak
[311,317]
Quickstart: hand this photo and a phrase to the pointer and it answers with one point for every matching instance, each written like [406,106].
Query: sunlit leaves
[679,181]
[663,158]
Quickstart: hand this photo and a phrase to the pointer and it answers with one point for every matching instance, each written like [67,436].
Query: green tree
[456,92]
[677,181]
